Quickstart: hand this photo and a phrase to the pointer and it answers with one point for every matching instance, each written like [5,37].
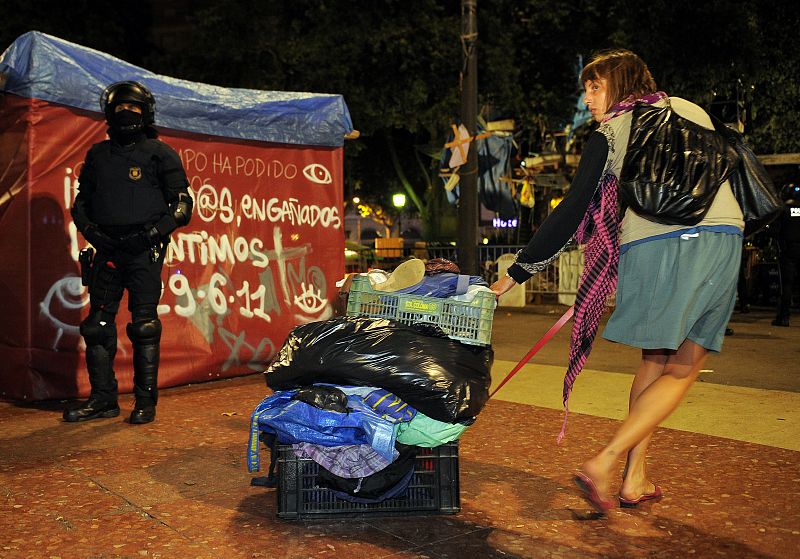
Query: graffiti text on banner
[212,205]
[205,281]
[217,163]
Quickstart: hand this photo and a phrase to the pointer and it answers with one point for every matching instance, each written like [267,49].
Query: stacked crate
[434,487]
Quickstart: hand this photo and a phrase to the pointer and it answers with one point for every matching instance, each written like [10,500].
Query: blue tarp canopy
[44,67]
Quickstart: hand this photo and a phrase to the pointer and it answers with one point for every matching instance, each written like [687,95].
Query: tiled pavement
[179,488]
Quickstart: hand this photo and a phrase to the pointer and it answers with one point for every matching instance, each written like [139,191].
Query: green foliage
[397,62]
[698,50]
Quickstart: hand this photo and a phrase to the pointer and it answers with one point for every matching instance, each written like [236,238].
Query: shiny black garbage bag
[444,379]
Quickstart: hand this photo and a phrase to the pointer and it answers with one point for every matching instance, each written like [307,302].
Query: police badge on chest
[135,173]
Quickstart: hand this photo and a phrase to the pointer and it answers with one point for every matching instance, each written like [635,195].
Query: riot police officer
[133,193]
[788,231]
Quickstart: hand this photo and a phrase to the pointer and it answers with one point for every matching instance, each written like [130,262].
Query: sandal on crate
[407,274]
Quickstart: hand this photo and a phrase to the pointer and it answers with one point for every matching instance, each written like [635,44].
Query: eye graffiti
[310,300]
[66,294]
[315,172]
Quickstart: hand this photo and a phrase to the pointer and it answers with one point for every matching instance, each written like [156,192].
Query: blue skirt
[676,288]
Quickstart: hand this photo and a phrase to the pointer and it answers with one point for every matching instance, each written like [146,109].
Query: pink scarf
[599,230]
[627,104]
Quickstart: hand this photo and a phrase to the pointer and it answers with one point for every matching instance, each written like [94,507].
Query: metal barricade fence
[541,286]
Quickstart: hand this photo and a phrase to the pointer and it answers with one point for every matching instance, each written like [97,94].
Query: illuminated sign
[497,222]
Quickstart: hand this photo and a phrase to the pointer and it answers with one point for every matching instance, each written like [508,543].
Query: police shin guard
[100,334]
[145,335]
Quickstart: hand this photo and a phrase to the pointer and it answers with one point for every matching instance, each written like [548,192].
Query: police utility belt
[119,233]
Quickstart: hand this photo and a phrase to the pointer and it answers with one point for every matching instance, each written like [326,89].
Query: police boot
[143,413]
[100,334]
[781,321]
[91,409]
[145,336]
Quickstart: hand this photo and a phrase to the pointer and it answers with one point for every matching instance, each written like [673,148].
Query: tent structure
[261,255]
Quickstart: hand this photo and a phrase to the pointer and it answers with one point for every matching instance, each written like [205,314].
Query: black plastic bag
[751,184]
[673,167]
[327,398]
[444,379]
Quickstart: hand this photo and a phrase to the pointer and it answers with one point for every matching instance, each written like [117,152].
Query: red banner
[261,254]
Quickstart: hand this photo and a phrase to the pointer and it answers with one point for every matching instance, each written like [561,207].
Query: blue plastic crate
[468,322]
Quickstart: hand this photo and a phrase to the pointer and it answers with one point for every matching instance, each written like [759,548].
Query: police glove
[140,241]
[98,239]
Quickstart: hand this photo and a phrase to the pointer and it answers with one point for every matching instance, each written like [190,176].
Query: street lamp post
[356,202]
[399,202]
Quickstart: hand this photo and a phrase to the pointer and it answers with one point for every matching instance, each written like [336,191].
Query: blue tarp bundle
[43,67]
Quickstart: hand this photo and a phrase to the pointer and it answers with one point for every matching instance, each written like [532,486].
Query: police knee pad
[144,331]
[97,331]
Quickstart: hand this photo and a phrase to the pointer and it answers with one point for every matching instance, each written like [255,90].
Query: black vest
[128,189]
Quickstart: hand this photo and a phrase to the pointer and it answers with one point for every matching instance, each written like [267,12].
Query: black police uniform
[133,193]
[788,230]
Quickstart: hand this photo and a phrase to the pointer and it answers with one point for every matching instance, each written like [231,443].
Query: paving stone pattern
[179,488]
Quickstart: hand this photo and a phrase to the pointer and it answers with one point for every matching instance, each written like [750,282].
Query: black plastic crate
[434,488]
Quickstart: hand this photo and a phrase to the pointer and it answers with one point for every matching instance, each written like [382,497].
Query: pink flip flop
[633,503]
[591,494]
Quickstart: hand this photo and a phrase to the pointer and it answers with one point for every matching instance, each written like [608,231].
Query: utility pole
[468,181]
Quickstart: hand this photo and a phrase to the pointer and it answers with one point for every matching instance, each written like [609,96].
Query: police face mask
[126,121]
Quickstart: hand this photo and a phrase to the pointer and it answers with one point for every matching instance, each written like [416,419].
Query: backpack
[673,167]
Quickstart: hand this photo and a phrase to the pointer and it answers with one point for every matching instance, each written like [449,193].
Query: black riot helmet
[128,92]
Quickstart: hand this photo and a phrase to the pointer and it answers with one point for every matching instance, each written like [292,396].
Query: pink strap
[535,349]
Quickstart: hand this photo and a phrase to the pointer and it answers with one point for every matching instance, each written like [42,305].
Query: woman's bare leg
[635,482]
[654,405]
